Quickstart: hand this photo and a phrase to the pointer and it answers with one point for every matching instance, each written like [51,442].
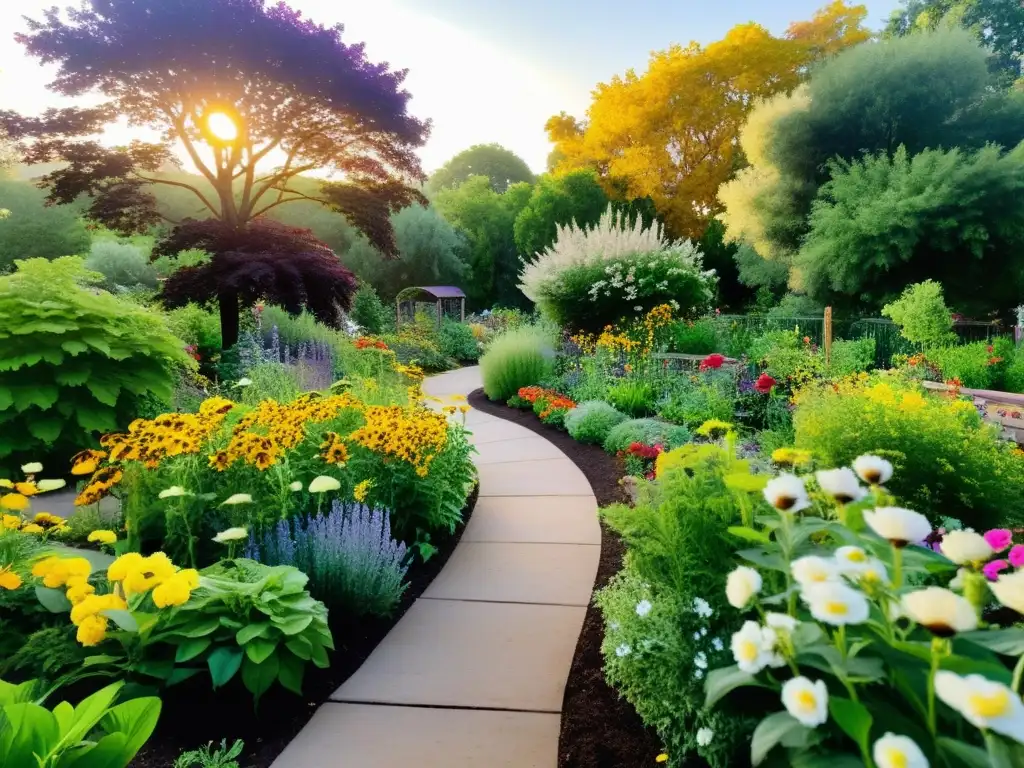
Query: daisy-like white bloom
[940,611]
[983,703]
[623,651]
[237,498]
[787,493]
[900,526]
[32,468]
[231,534]
[323,484]
[872,469]
[700,660]
[643,608]
[748,648]
[966,547]
[893,751]
[742,584]
[841,484]
[173,492]
[717,644]
[702,608]
[856,564]
[781,621]
[295,486]
[50,485]
[1009,590]
[704,737]
[805,700]
[836,604]
[812,569]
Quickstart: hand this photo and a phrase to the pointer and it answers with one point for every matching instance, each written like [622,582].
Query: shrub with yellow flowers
[16,504]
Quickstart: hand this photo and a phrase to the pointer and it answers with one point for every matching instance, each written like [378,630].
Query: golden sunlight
[222,126]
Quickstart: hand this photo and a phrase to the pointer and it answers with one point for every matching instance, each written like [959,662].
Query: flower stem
[1018,672]
[897,567]
[938,651]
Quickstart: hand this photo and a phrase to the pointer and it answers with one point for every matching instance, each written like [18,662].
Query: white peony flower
[231,534]
[704,737]
[1009,590]
[50,485]
[787,493]
[643,608]
[174,492]
[806,701]
[964,547]
[983,703]
[623,651]
[237,498]
[742,584]
[812,569]
[296,486]
[841,484]
[940,611]
[781,621]
[748,648]
[893,751]
[900,526]
[872,469]
[323,484]
[32,468]
[836,604]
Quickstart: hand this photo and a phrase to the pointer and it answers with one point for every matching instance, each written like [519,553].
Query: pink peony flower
[992,569]
[1017,556]
[999,538]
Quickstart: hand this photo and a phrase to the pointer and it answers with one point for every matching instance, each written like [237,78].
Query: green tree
[922,314]
[36,229]
[501,166]
[430,252]
[576,196]
[720,256]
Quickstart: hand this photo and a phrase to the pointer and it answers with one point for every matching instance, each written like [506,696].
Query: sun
[222,126]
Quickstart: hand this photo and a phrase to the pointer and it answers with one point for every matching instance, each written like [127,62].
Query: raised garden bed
[599,728]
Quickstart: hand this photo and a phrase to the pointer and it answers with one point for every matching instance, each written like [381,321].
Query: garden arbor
[448,301]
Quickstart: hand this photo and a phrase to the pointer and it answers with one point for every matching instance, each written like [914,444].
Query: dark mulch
[193,716]
[599,729]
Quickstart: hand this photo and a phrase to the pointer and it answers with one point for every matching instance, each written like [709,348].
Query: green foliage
[500,166]
[592,421]
[418,342]
[946,457]
[698,337]
[297,329]
[46,654]
[211,756]
[851,356]
[1013,376]
[517,358]
[369,312]
[122,265]
[456,341]
[166,265]
[558,200]
[795,305]
[74,362]
[647,431]
[197,327]
[979,365]
[95,734]
[692,403]
[268,381]
[34,229]
[922,314]
[632,397]
[719,255]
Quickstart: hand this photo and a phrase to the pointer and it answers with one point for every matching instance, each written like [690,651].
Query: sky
[482,70]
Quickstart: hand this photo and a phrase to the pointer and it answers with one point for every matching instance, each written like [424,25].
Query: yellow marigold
[15,502]
[714,429]
[79,589]
[9,579]
[56,571]
[11,522]
[150,573]
[912,402]
[175,590]
[92,630]
[120,568]
[26,488]
[33,528]
[791,457]
[102,537]
[92,605]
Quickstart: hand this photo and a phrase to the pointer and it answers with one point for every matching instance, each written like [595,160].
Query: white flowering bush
[870,652]
[591,278]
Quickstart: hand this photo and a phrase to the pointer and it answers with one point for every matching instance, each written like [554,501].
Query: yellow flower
[102,537]
[92,605]
[9,579]
[464,408]
[78,590]
[14,501]
[714,429]
[11,522]
[361,490]
[33,528]
[92,630]
[120,568]
[153,571]
[174,591]
[57,571]
[458,398]
[26,489]
[662,758]
[912,401]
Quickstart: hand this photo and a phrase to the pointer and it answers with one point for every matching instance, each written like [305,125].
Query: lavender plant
[349,555]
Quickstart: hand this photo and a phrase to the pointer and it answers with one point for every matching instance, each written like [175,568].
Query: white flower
[296,486]
[957,582]
[704,737]
[696,635]
[698,674]
[787,493]
[741,586]
[856,564]
[701,660]
[748,648]
[782,621]
[703,631]
[983,703]
[1009,590]
[812,569]
[643,608]
[702,607]
[770,641]
[963,547]
[238,498]
[174,491]
[717,644]
[841,484]
[323,483]
[872,469]
[244,382]
[614,625]
[836,604]
[50,485]
[231,534]
[806,701]
[900,526]
[940,611]
[32,468]
[623,650]
[893,751]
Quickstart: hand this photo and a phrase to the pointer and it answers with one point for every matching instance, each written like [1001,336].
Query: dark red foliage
[712,362]
[764,384]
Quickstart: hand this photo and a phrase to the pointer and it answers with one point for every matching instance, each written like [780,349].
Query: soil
[191,716]
[599,729]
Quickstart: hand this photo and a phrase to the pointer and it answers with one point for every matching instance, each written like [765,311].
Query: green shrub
[166,266]
[946,457]
[851,356]
[979,365]
[297,329]
[197,327]
[694,338]
[122,265]
[922,314]
[692,404]
[74,362]
[794,305]
[632,397]
[1013,376]
[456,341]
[268,381]
[518,358]
[369,312]
[647,431]
[590,422]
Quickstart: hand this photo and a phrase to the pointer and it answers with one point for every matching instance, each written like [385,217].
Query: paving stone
[554,574]
[520,449]
[547,477]
[467,654]
[498,429]
[543,519]
[458,382]
[368,736]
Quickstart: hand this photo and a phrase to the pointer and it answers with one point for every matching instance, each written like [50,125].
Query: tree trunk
[228,301]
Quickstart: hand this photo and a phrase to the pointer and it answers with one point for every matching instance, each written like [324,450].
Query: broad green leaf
[294,625]
[301,647]
[259,649]
[764,558]
[122,618]
[135,719]
[203,626]
[770,732]
[41,396]
[105,391]
[853,717]
[26,729]
[749,534]
[53,600]
[289,673]
[46,428]
[251,631]
[89,712]
[181,674]
[189,649]
[259,677]
[1001,752]
[108,752]
[224,663]
[73,347]
[965,754]
[1008,642]
[320,657]
[719,682]
[160,669]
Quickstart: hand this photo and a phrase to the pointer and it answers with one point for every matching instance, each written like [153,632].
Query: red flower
[807,339]
[764,384]
[989,349]
[712,362]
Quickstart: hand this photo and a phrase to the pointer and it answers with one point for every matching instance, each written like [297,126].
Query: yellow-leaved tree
[671,133]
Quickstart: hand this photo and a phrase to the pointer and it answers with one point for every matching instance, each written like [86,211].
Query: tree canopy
[33,229]
[501,166]
[253,94]
[555,200]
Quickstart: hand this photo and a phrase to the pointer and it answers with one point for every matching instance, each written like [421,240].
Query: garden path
[475,671]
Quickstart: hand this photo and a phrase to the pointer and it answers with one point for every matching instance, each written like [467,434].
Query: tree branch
[281,201]
[181,184]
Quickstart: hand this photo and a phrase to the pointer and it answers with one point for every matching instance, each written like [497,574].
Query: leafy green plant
[456,341]
[166,265]
[922,314]
[74,362]
[591,421]
[633,397]
[699,337]
[96,734]
[852,356]
[518,358]
[691,403]
[197,327]
[980,365]
[369,312]
[122,265]
[212,756]
[647,431]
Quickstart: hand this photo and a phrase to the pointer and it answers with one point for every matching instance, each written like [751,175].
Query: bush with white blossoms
[874,658]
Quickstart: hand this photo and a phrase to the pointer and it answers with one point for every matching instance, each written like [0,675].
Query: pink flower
[1017,556]
[999,538]
[992,569]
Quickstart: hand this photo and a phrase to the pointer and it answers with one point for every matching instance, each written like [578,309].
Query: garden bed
[192,716]
[599,729]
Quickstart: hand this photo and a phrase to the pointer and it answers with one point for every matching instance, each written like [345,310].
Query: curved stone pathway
[475,671]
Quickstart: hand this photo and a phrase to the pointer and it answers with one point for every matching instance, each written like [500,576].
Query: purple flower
[992,569]
[1017,556]
[999,538]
